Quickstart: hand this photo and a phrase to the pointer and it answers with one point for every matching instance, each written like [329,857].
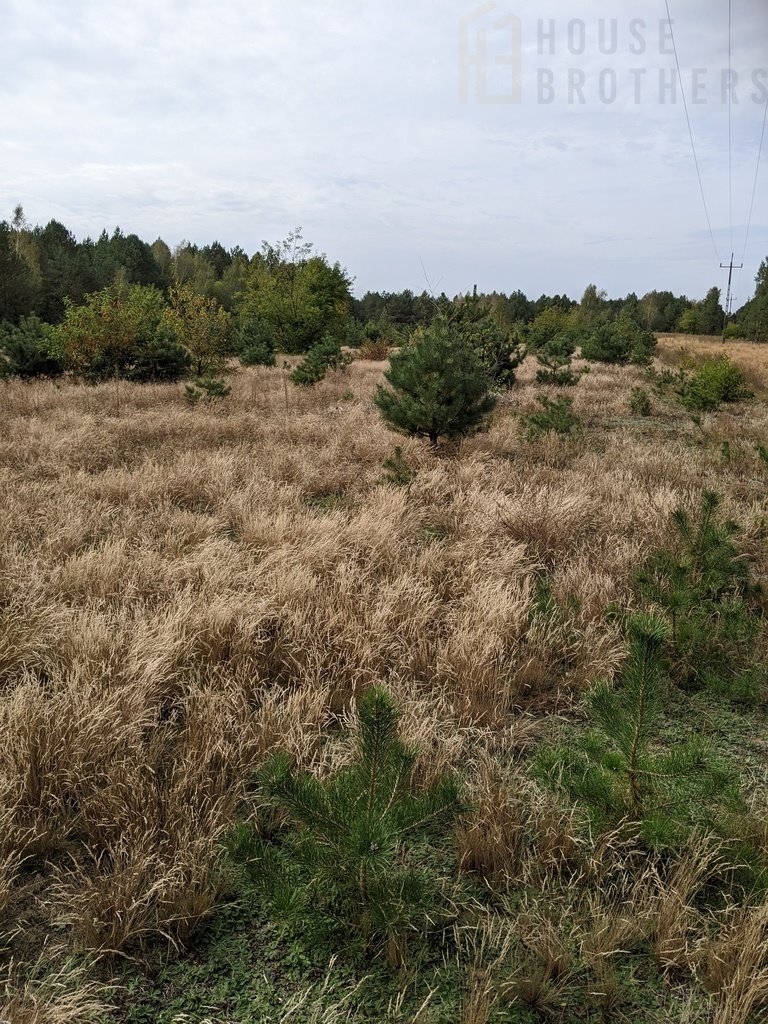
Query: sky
[422,143]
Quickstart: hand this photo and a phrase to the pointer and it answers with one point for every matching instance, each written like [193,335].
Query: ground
[184,589]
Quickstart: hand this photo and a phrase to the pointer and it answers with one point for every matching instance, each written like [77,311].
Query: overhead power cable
[690,132]
[730,122]
[757,177]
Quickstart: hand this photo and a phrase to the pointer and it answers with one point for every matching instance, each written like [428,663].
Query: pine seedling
[619,771]
[397,471]
[210,389]
[555,361]
[324,356]
[639,402]
[704,586]
[345,856]
[556,416]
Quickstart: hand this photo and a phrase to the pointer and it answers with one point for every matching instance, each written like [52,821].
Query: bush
[639,402]
[550,324]
[557,417]
[121,331]
[375,350]
[734,332]
[438,386]
[716,381]
[255,342]
[25,350]
[621,342]
[344,859]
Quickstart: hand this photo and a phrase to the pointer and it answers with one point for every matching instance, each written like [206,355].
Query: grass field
[184,589]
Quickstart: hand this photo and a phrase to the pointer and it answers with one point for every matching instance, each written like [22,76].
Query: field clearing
[184,589]
[751,359]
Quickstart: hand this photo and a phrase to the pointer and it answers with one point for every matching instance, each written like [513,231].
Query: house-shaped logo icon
[490,56]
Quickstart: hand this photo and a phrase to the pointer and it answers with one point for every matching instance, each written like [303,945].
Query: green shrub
[25,350]
[255,341]
[619,771]
[639,402]
[556,416]
[623,341]
[716,381]
[121,331]
[210,389]
[734,332]
[344,860]
[550,324]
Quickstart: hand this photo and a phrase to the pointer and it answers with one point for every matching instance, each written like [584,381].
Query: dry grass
[63,995]
[750,358]
[736,966]
[183,589]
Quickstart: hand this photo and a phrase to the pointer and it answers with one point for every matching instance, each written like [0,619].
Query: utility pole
[729,297]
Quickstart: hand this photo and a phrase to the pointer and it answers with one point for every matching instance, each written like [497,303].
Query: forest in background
[285,298]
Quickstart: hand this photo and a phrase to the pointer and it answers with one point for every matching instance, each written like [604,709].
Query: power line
[730,123]
[690,132]
[757,176]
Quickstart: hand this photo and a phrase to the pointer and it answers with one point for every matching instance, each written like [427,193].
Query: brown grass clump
[63,995]
[736,966]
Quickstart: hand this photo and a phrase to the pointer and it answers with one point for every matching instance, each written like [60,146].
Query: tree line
[119,305]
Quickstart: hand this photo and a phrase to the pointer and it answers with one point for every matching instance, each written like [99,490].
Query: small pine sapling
[619,771]
[397,471]
[255,342]
[344,859]
[555,361]
[706,590]
[210,389]
[639,402]
[324,356]
[556,416]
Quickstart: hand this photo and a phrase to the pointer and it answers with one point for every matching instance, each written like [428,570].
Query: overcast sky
[409,138]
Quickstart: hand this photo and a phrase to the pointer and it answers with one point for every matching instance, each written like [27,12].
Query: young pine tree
[438,386]
[620,772]
[554,358]
[706,590]
[324,356]
[344,859]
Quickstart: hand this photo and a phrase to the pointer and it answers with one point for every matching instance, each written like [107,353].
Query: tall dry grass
[181,590]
